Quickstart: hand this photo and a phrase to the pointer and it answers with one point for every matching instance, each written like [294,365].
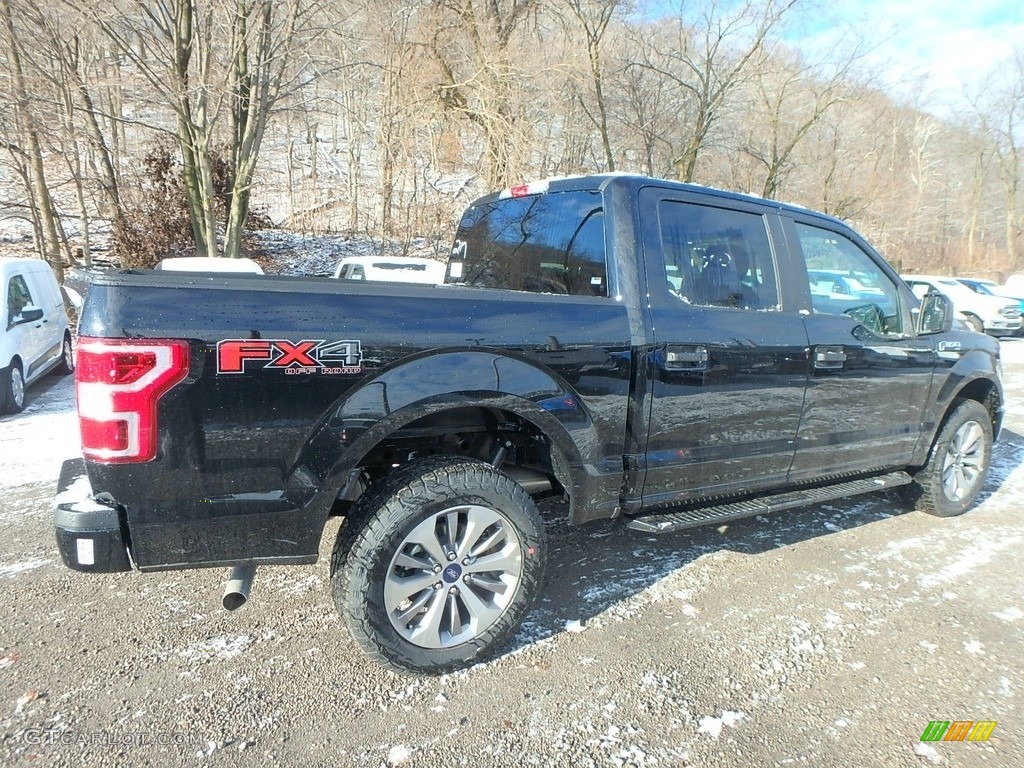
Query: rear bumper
[90,534]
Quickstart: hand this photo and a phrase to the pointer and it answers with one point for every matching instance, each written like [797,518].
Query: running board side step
[720,513]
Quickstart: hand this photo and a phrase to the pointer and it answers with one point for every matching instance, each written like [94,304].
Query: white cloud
[928,51]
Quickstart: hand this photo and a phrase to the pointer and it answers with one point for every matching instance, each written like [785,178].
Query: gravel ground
[826,636]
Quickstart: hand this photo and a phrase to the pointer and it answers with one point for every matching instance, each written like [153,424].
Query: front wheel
[947,485]
[974,323]
[12,389]
[437,563]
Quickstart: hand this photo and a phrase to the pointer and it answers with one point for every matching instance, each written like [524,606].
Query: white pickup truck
[994,315]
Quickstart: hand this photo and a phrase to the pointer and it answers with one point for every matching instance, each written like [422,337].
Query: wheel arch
[982,388]
[431,403]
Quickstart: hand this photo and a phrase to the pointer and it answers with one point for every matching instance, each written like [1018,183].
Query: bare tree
[593,17]
[708,61]
[43,212]
[1006,127]
[471,44]
[791,100]
[176,45]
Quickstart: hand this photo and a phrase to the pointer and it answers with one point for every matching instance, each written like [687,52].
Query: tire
[66,366]
[974,323]
[12,389]
[947,485]
[410,604]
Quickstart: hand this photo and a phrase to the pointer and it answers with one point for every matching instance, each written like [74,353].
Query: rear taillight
[119,382]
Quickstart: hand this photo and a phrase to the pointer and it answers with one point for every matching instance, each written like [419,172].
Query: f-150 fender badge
[307,357]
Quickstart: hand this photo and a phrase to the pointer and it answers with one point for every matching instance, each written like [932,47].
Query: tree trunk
[49,247]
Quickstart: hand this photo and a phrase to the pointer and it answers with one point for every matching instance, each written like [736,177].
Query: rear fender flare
[438,382]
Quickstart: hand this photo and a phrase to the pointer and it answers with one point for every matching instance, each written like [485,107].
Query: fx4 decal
[235,356]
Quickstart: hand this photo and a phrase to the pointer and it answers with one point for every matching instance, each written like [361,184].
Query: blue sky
[926,50]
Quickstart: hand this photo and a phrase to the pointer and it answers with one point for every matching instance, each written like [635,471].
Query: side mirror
[29,314]
[935,314]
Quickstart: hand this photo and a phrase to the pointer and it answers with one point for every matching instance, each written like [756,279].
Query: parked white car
[995,315]
[1014,286]
[991,288]
[34,335]
[391,269]
[209,264]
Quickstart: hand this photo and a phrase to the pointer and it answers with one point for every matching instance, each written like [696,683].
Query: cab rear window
[547,243]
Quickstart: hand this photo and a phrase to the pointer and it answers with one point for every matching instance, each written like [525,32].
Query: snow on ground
[35,442]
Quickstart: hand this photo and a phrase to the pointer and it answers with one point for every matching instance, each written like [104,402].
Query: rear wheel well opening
[519,448]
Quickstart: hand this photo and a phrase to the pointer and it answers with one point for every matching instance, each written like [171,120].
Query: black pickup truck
[662,352]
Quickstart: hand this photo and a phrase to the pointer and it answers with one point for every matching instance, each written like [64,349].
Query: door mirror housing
[935,314]
[29,314]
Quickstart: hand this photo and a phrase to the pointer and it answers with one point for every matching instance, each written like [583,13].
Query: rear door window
[716,257]
[547,243]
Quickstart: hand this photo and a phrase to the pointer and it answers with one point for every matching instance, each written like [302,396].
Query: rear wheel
[437,564]
[12,389]
[67,358]
[958,464]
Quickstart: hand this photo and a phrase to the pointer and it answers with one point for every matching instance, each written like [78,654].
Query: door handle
[829,358]
[686,357]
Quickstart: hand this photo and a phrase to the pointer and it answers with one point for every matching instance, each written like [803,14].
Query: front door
[29,337]
[869,374]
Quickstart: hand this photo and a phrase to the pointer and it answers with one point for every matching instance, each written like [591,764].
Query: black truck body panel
[642,401]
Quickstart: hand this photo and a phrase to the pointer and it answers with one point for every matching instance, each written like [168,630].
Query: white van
[34,334]
[391,269]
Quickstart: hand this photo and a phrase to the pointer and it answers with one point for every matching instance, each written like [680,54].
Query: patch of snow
[832,620]
[974,648]
[35,442]
[79,490]
[1009,614]
[928,752]
[216,648]
[88,506]
[398,755]
[7,571]
[713,726]
[980,553]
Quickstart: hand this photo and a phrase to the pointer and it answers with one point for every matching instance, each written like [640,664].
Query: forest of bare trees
[162,126]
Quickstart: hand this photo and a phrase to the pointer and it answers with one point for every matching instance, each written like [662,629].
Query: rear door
[728,367]
[870,375]
[47,296]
